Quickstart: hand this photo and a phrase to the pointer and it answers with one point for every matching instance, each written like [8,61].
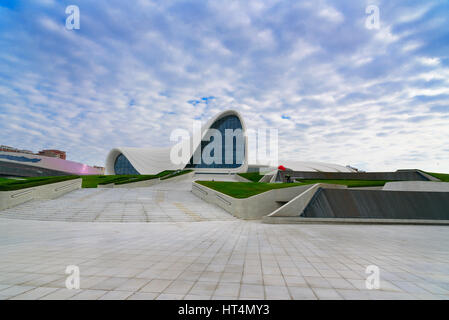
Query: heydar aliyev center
[231,155]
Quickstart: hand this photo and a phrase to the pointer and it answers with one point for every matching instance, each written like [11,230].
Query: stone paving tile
[295,281]
[252,279]
[61,294]
[227,289]
[15,290]
[210,276]
[196,297]
[203,288]
[327,294]
[88,295]
[339,283]
[354,294]
[143,296]
[219,257]
[109,284]
[170,296]
[231,277]
[253,291]
[318,282]
[34,294]
[273,280]
[179,287]
[4,286]
[116,295]
[277,293]
[134,284]
[156,286]
[302,293]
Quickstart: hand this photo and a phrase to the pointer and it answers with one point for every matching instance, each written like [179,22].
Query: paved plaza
[165,202]
[199,251]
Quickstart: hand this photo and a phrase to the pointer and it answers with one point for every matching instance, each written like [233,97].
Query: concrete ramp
[424,186]
[400,175]
[297,205]
[377,204]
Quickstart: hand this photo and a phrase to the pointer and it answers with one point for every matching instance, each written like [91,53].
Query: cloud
[336,91]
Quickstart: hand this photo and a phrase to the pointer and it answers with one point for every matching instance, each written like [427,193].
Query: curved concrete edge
[105,186]
[138,184]
[297,205]
[424,186]
[9,199]
[266,178]
[186,176]
[428,176]
[241,179]
[251,208]
[148,183]
[301,220]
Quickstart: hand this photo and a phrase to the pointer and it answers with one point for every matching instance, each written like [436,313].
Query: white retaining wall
[9,199]
[254,207]
[297,205]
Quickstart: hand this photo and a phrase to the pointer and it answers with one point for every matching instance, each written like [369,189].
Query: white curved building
[313,166]
[154,160]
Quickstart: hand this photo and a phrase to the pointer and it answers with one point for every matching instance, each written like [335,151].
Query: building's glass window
[123,166]
[238,151]
[17,158]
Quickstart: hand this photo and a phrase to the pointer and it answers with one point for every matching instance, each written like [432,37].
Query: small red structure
[281,167]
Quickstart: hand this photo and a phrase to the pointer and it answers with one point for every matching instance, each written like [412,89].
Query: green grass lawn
[442,176]
[90,181]
[241,190]
[14,184]
[94,180]
[252,176]
[143,177]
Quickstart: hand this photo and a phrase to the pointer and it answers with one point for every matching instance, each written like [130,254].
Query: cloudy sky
[377,99]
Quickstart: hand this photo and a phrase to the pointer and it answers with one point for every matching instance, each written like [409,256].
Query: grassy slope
[252,176]
[442,176]
[12,184]
[144,177]
[90,181]
[180,173]
[94,180]
[243,190]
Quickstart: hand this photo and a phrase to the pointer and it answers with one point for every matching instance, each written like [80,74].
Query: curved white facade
[313,166]
[155,160]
